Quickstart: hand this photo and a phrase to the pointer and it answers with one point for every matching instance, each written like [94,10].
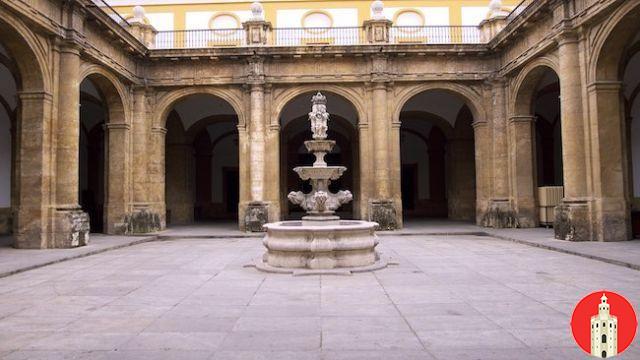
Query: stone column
[117,178]
[367,188]
[257,213]
[396,171]
[156,174]
[522,134]
[71,223]
[484,166]
[572,219]
[179,201]
[244,174]
[462,181]
[33,211]
[272,160]
[500,212]
[381,210]
[612,195]
[142,219]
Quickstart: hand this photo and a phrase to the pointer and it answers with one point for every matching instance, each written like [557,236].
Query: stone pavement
[450,297]
[14,261]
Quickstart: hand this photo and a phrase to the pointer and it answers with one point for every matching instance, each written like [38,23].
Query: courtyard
[444,297]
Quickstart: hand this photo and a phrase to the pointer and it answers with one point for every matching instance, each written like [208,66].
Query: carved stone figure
[319,117]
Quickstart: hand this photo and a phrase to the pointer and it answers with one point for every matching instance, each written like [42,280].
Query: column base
[256,214]
[500,215]
[384,213]
[72,228]
[142,221]
[572,221]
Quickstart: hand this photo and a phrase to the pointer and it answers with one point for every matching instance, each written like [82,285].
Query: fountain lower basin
[346,247]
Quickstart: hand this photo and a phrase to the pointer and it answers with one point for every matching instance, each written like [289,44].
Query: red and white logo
[604,324]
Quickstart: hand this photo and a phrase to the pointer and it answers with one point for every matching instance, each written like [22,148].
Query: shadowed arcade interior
[202,161]
[437,157]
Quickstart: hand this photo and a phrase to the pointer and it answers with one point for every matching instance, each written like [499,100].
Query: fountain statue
[321,242]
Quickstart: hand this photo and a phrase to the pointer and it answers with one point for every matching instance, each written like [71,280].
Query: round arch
[169,100]
[524,85]
[23,44]
[472,99]
[350,95]
[609,45]
[114,92]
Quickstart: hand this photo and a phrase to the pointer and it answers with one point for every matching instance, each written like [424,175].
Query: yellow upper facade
[168,15]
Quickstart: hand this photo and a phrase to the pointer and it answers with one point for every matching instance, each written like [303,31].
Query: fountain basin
[349,244]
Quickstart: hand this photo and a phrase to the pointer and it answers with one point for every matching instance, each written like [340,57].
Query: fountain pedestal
[321,242]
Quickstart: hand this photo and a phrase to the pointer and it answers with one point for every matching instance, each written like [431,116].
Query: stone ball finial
[496,9]
[257,11]
[139,15]
[377,10]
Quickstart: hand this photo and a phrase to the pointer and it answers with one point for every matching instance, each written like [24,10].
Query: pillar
[484,166]
[396,171]
[500,212]
[381,210]
[462,181]
[156,174]
[118,197]
[521,133]
[71,223]
[257,213]
[142,219]
[572,218]
[34,172]
[179,201]
[611,193]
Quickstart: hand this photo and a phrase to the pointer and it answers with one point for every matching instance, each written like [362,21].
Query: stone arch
[440,185]
[471,98]
[611,40]
[117,159]
[167,101]
[351,95]
[114,92]
[524,85]
[23,44]
[32,171]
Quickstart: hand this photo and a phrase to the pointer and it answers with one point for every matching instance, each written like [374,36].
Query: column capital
[607,86]
[35,95]
[567,36]
[479,124]
[117,126]
[159,130]
[522,119]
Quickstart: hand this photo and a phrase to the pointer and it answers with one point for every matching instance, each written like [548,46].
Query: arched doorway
[614,110]
[295,131]
[25,92]
[202,161]
[104,182]
[8,112]
[631,93]
[437,157]
[91,186]
[546,109]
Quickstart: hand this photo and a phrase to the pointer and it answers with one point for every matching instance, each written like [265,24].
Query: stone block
[142,221]
[500,215]
[72,228]
[384,213]
[256,215]
[572,222]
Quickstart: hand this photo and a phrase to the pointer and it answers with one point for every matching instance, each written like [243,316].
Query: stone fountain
[321,242]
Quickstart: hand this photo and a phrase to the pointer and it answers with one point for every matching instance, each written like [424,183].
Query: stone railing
[338,36]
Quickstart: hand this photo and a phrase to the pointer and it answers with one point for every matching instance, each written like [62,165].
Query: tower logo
[604,324]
